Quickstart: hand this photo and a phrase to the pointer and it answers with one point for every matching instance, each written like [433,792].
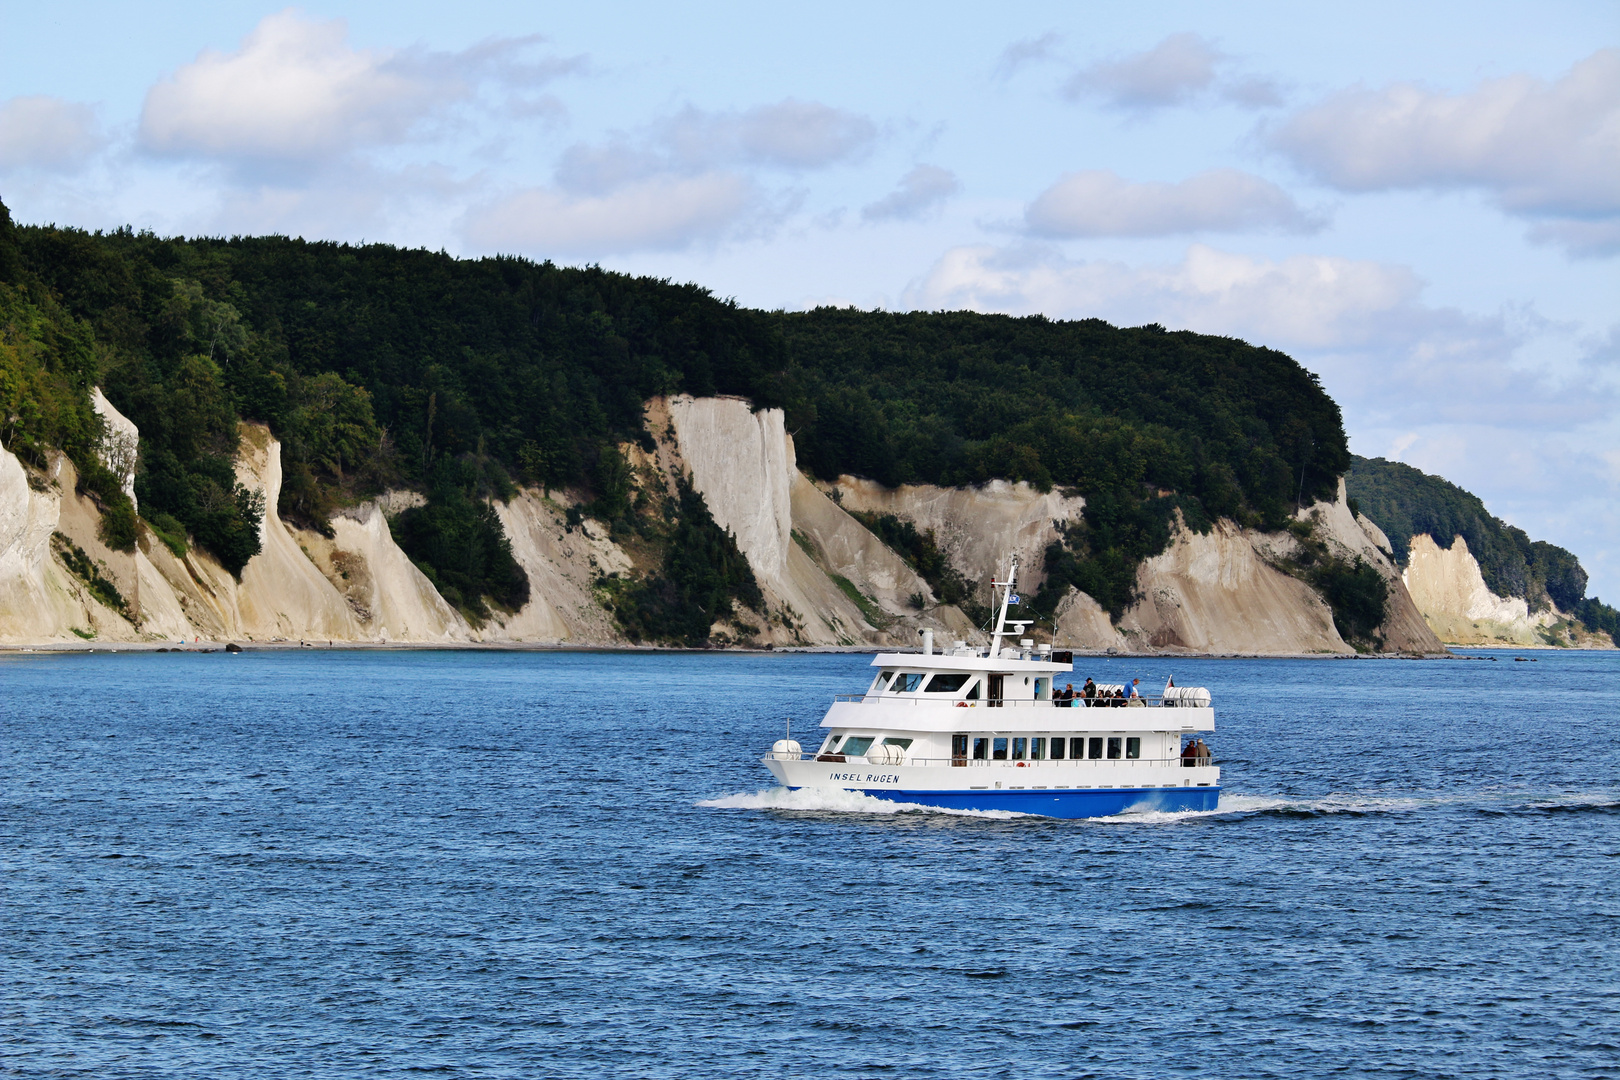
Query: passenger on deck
[1119,699]
[1189,754]
[1203,752]
[1065,697]
[1089,692]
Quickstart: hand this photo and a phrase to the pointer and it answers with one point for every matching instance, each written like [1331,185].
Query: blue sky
[1419,202]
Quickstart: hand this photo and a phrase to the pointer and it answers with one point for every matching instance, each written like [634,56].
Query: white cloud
[1098,202]
[1179,70]
[295,90]
[792,135]
[1026,51]
[47,133]
[801,134]
[1582,239]
[661,212]
[919,191]
[1174,70]
[1543,150]
[1316,301]
[682,180]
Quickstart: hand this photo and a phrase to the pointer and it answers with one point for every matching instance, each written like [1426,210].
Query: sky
[1419,202]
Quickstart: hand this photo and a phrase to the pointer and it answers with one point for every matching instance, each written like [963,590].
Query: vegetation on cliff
[702,576]
[373,364]
[1404,501]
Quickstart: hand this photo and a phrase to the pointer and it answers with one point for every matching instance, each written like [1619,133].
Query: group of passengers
[1091,697]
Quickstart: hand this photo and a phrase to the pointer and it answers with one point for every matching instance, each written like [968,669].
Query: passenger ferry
[982,729]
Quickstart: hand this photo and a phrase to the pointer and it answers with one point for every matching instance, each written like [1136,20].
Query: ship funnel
[928,642]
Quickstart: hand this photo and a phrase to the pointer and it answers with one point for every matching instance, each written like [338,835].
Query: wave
[1232,806]
[838,801]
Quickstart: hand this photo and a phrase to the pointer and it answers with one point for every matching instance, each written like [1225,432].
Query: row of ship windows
[1020,748]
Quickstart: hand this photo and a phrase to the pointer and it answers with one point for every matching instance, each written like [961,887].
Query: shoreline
[522,646]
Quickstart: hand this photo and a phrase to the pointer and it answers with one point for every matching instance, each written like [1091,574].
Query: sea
[572,864]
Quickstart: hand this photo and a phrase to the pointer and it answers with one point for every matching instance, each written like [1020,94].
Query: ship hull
[1091,803]
[1052,789]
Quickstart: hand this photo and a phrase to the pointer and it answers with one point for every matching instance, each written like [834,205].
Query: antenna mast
[1006,588]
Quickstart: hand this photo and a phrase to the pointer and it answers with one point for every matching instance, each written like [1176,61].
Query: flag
[1013,599]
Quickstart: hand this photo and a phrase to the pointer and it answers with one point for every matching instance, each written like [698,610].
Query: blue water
[571,865]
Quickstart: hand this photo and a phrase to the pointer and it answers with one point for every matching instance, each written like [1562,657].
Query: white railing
[960,762]
[1152,701]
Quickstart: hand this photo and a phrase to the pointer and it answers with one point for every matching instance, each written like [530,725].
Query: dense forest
[1404,501]
[378,366]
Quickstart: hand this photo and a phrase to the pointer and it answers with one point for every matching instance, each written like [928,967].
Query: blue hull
[1085,803]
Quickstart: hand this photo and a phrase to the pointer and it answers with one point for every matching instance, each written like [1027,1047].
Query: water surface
[366,864]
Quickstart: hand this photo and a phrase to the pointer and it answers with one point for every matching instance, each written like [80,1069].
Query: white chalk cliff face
[1450,590]
[826,579]
[797,541]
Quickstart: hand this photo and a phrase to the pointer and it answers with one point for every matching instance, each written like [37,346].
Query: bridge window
[856,746]
[907,681]
[904,744]
[1113,746]
[973,691]
[947,683]
[981,748]
[1020,749]
[998,749]
[1133,748]
[1037,749]
[883,679]
[1057,748]
[1095,750]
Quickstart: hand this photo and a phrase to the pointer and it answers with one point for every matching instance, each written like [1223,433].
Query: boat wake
[1237,806]
[837,800]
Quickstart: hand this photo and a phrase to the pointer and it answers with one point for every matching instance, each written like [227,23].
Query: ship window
[904,744]
[1020,749]
[883,679]
[999,749]
[1037,749]
[856,745]
[981,748]
[907,681]
[1133,748]
[1113,747]
[973,691]
[1095,750]
[1057,748]
[832,743]
[946,684]
[1077,748]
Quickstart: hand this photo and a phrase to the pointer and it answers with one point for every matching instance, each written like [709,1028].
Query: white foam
[837,800]
[1237,805]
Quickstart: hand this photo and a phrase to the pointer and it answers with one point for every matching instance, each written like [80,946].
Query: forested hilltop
[1404,502]
[382,367]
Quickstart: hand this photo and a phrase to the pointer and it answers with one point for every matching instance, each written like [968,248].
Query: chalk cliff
[797,541]
[1449,589]
[826,579]
[1227,592]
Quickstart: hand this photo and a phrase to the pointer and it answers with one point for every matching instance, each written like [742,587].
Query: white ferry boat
[992,729]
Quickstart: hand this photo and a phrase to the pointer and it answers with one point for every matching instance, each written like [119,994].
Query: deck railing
[968,762]
[1152,701]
